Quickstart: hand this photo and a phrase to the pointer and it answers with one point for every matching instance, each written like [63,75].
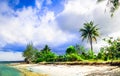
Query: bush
[61,58]
[48,57]
[39,60]
[73,57]
[101,55]
[70,49]
[91,55]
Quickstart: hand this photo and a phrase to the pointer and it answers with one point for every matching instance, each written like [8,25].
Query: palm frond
[89,29]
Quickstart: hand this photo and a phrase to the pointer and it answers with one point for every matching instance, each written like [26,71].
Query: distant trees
[46,49]
[89,32]
[29,53]
[32,54]
[46,55]
[73,53]
[77,52]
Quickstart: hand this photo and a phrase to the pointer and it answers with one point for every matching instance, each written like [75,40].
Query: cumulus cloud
[42,26]
[26,25]
[77,12]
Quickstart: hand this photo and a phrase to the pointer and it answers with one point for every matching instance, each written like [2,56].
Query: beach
[71,70]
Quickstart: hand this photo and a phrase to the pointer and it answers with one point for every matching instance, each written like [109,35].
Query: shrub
[48,57]
[61,58]
[70,49]
[80,49]
[39,60]
[91,55]
[101,55]
[73,57]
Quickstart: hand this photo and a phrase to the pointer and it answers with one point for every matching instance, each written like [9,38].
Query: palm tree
[89,32]
[46,49]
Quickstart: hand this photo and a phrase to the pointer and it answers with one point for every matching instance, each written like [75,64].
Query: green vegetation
[70,50]
[113,4]
[30,53]
[77,53]
[90,32]
[113,50]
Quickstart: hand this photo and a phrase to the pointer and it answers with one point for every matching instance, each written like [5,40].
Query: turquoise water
[9,71]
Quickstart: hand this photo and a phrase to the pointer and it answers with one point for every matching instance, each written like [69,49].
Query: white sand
[66,70]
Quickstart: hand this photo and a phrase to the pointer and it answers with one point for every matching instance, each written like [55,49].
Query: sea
[6,70]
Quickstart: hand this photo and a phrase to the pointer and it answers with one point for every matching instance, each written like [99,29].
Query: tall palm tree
[90,32]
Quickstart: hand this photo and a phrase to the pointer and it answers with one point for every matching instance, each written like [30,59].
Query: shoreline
[23,68]
[64,70]
[30,73]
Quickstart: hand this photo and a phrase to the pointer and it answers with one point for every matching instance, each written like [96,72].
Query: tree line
[77,52]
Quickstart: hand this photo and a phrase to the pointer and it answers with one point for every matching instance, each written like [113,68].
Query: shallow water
[9,71]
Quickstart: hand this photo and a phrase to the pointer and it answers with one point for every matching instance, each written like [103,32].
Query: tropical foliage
[30,53]
[77,52]
[113,50]
[70,50]
[74,53]
[113,4]
[90,32]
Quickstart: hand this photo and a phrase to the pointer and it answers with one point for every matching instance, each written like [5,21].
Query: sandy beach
[72,70]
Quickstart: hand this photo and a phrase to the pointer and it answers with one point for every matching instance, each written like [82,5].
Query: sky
[52,22]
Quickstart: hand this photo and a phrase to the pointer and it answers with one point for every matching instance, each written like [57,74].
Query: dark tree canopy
[46,49]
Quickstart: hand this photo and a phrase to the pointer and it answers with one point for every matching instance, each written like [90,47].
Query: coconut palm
[89,32]
[46,49]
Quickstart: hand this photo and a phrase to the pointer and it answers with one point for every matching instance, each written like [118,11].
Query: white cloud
[77,12]
[48,2]
[44,27]
[11,56]
[28,26]
[79,6]
[38,3]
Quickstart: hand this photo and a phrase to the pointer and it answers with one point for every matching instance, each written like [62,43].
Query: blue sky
[52,22]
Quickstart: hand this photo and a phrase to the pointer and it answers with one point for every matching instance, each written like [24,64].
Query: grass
[84,62]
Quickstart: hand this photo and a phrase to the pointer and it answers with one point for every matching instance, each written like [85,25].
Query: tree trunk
[91,43]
